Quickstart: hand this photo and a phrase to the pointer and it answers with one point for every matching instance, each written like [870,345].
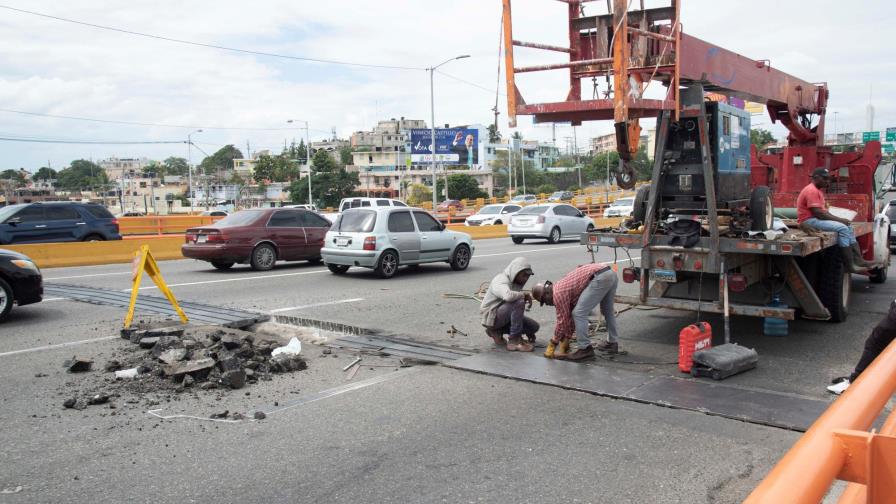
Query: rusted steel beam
[534,45]
[512,93]
[556,66]
[649,34]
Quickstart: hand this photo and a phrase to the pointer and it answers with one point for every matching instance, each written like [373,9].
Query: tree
[345,155]
[81,174]
[463,186]
[323,162]
[494,136]
[761,137]
[417,194]
[176,166]
[13,175]
[153,169]
[222,160]
[329,182]
[44,173]
[545,189]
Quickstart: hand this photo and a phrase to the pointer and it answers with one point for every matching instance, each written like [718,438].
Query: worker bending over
[504,306]
[812,211]
[881,337]
[574,297]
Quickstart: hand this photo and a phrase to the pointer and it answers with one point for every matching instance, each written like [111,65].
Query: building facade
[116,167]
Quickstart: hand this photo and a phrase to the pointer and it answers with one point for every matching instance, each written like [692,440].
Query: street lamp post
[432,112]
[307,156]
[190,167]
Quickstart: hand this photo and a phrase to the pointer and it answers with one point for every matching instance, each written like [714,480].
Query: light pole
[835,127]
[432,112]
[190,167]
[307,155]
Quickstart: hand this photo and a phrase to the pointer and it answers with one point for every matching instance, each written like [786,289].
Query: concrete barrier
[58,255]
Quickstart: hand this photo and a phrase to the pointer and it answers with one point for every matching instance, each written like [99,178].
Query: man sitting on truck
[812,211]
[574,297]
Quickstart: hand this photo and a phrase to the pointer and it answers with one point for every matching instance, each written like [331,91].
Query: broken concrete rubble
[172,355]
[78,365]
[178,369]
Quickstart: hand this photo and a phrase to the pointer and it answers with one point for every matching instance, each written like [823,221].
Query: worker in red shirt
[812,211]
[574,297]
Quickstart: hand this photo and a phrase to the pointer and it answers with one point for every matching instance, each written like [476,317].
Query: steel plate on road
[662,275]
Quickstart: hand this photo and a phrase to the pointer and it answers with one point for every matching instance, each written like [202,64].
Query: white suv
[492,214]
[347,203]
[384,238]
[622,207]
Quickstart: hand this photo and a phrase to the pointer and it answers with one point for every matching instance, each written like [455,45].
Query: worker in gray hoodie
[504,306]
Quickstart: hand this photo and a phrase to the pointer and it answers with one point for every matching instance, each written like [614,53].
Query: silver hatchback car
[384,238]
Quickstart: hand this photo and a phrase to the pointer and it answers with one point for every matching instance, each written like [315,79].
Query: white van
[347,203]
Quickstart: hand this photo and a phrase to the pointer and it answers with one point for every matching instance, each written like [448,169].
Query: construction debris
[78,365]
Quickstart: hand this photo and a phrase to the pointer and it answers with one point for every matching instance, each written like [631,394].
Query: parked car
[132,213]
[492,214]
[347,203]
[260,237]
[451,203]
[384,238]
[21,282]
[306,206]
[622,207]
[551,221]
[215,213]
[560,196]
[524,199]
[56,222]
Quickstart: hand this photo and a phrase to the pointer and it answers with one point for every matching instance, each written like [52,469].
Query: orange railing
[162,224]
[839,446]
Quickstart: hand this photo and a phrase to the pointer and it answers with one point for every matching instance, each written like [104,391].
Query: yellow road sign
[144,261]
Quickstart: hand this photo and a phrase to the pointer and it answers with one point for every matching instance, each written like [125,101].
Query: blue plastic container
[772,326]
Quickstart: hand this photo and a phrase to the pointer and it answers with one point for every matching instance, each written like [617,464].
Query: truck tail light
[698,265]
[737,282]
[628,275]
[540,219]
[370,243]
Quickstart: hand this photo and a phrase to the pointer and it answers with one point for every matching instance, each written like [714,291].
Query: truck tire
[761,210]
[834,284]
[639,212]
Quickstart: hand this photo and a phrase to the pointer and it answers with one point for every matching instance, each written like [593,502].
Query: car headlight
[25,264]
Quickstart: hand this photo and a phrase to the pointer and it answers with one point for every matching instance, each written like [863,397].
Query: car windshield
[7,211]
[361,221]
[891,213]
[490,210]
[533,210]
[624,202]
[243,218]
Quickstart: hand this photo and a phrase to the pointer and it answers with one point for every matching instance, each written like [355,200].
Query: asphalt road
[427,434]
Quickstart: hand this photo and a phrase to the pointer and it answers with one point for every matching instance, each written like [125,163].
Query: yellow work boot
[562,350]
[549,352]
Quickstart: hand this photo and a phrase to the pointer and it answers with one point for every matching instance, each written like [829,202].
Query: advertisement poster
[454,146]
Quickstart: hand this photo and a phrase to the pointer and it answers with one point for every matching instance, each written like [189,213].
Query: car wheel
[497,223]
[5,299]
[387,266]
[337,269]
[263,257]
[517,239]
[461,258]
[93,238]
[554,237]
[222,265]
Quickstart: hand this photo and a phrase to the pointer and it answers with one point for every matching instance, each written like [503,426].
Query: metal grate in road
[196,312]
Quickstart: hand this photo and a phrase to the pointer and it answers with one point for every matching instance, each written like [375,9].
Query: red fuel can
[691,339]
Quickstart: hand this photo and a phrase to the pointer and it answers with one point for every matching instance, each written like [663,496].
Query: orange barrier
[58,255]
[162,224]
[839,446]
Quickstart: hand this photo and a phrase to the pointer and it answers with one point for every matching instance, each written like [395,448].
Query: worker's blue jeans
[845,236]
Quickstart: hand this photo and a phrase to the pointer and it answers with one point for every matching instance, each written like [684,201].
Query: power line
[212,46]
[92,142]
[134,123]
[458,79]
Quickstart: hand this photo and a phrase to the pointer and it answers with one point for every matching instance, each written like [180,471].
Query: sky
[68,69]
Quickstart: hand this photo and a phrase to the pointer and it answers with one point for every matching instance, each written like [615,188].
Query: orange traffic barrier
[839,446]
[162,224]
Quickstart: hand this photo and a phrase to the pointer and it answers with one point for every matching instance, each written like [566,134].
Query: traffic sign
[868,136]
[888,148]
[891,134]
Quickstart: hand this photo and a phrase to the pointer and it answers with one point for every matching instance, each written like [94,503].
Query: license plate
[662,275]
[524,223]
[201,239]
[342,242]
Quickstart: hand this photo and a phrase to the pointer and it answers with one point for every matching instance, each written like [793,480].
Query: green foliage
[220,161]
[417,194]
[321,161]
[463,186]
[274,169]
[345,155]
[545,189]
[81,174]
[761,137]
[153,169]
[45,173]
[14,175]
[494,136]
[176,166]
[573,188]
[327,187]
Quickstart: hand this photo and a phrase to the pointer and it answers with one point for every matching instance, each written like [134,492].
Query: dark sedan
[21,282]
[259,237]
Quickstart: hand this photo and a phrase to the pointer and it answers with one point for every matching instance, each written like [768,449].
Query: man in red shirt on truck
[812,211]
[574,297]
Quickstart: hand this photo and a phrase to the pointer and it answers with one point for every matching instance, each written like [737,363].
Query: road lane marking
[528,251]
[58,345]
[314,305]
[89,276]
[234,279]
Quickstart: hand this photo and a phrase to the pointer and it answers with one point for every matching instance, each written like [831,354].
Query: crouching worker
[504,306]
[574,297]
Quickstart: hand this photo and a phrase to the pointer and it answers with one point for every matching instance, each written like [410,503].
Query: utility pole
[432,117]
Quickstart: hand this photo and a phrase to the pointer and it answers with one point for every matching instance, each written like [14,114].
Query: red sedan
[259,237]
[452,203]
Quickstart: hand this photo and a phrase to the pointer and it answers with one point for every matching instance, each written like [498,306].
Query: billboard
[454,146]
